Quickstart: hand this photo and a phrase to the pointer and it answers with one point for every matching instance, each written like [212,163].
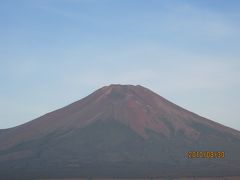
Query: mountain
[118,131]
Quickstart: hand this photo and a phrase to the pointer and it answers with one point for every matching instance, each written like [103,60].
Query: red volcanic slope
[135,106]
[118,131]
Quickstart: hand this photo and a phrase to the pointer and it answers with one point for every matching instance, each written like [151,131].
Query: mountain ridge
[119,126]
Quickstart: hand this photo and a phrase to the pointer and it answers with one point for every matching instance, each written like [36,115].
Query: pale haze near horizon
[56,52]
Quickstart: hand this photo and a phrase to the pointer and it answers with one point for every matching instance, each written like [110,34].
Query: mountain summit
[118,131]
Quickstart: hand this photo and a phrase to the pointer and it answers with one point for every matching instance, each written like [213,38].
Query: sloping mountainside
[119,131]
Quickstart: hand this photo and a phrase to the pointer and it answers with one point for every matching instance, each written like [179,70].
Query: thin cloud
[201,21]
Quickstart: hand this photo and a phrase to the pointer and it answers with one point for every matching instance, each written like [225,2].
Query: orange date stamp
[205,154]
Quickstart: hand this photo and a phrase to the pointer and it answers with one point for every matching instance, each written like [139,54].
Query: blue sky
[54,52]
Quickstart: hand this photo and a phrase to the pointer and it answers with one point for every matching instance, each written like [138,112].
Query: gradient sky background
[54,52]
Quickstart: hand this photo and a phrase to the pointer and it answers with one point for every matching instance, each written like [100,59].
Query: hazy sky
[54,52]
